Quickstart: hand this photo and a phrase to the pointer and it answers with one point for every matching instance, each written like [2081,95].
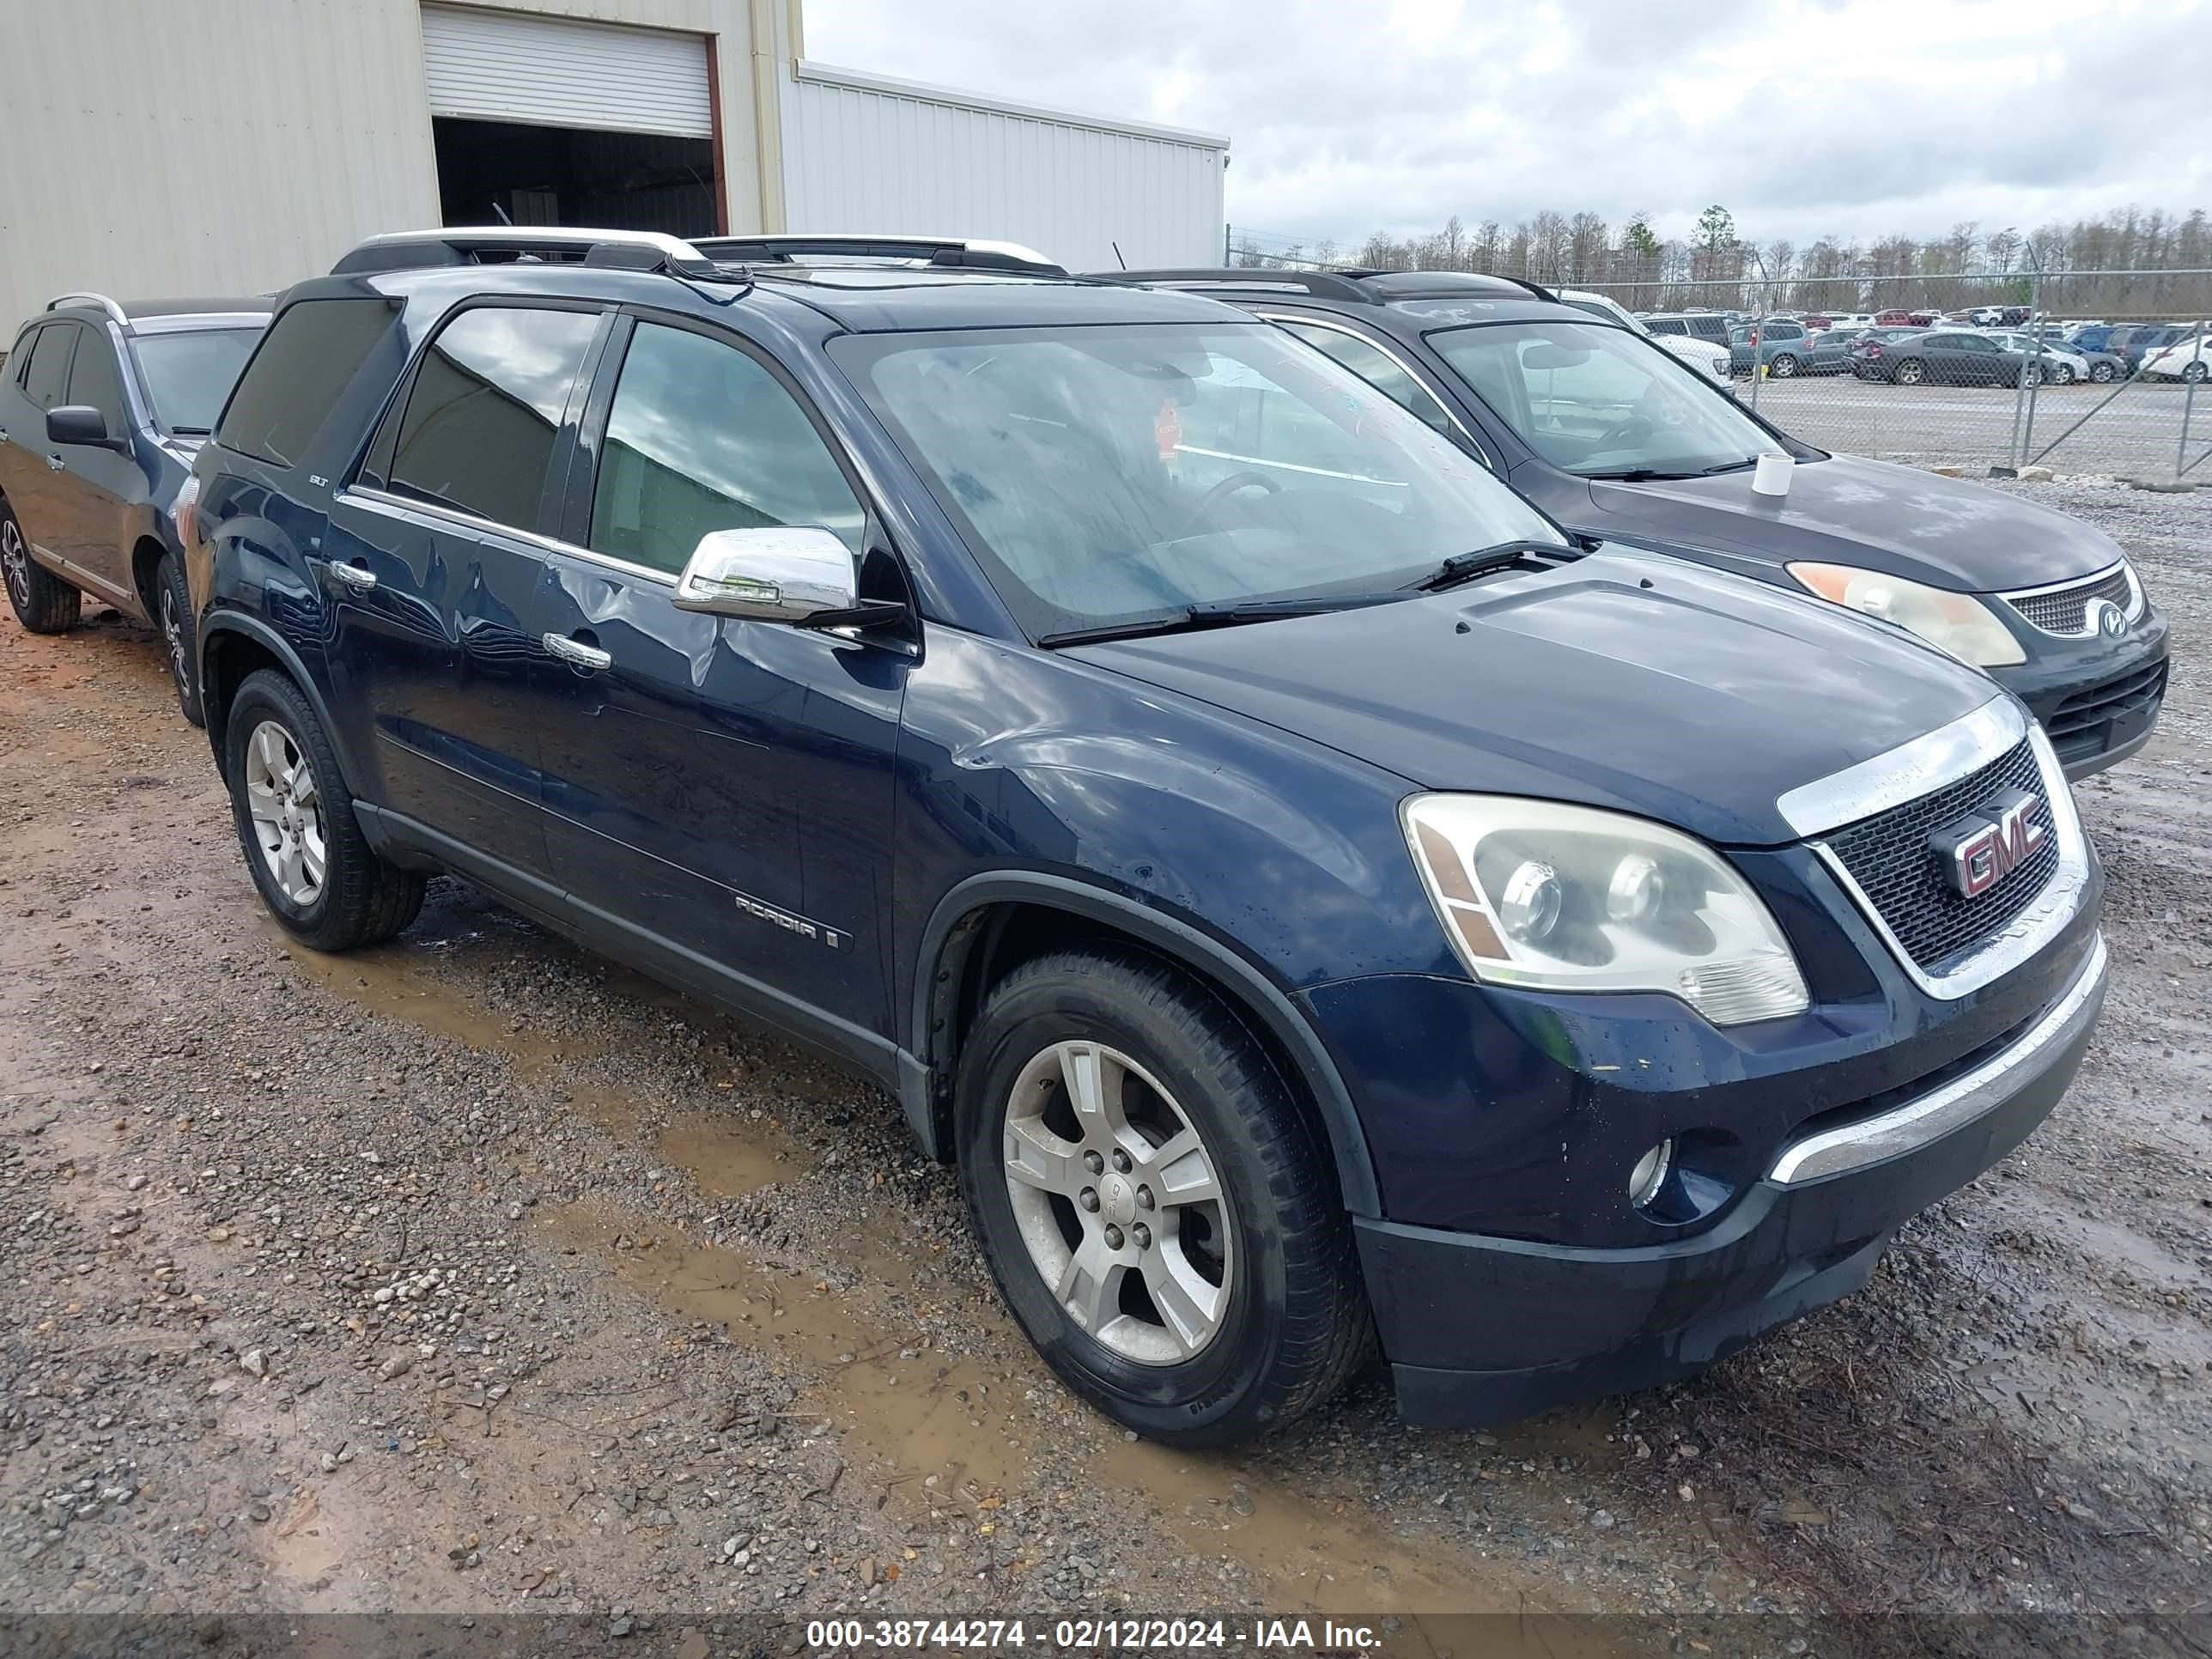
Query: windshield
[189,375]
[1594,400]
[1112,474]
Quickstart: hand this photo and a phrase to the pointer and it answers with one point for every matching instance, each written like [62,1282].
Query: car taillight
[1871,349]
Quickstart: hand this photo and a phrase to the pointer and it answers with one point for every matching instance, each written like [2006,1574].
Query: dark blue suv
[1316,900]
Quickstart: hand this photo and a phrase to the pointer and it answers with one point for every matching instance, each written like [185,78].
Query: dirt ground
[473,1276]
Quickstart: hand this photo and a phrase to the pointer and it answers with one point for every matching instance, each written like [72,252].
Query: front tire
[180,635]
[303,846]
[2194,374]
[43,602]
[1158,1213]
[2102,375]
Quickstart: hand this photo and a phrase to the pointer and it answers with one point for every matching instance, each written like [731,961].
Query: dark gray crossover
[102,408]
[1612,438]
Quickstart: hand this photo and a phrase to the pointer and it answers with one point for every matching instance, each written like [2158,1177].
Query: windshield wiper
[1651,474]
[1218,613]
[1464,567]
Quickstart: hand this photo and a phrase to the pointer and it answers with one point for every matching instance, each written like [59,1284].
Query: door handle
[577,653]
[353,576]
[55,462]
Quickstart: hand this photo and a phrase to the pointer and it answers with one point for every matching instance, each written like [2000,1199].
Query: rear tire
[1911,371]
[179,634]
[43,602]
[303,846]
[1260,1316]
[1783,368]
[2101,374]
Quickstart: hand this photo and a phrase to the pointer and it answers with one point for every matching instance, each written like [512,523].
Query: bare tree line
[1715,267]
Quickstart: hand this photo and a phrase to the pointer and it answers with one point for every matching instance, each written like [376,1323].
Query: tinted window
[305,361]
[486,407]
[1377,367]
[703,438]
[93,381]
[188,375]
[1667,325]
[1594,400]
[46,376]
[1109,473]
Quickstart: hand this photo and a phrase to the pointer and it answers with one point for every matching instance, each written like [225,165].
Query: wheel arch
[233,645]
[146,556]
[989,923]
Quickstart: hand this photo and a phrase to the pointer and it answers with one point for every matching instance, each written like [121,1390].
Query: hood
[1624,680]
[1947,532]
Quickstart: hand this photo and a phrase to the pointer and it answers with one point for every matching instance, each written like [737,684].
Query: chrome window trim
[1906,772]
[1992,958]
[2118,566]
[444,518]
[1283,319]
[1949,1106]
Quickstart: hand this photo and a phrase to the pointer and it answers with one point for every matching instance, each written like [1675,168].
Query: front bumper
[2098,700]
[1484,1329]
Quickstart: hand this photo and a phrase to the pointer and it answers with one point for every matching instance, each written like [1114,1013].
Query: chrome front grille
[1889,857]
[2065,610]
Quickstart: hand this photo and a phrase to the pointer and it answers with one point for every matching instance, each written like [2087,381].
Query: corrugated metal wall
[153,147]
[865,152]
[222,146]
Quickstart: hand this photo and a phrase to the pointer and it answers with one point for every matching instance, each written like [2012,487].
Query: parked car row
[1257,763]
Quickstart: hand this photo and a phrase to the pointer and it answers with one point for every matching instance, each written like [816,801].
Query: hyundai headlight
[1957,623]
[1555,897]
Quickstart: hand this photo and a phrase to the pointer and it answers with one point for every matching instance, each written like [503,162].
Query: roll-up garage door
[548,71]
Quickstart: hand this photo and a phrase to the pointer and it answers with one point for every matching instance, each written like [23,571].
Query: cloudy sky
[1803,117]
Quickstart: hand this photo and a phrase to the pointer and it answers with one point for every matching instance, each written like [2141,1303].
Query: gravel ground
[473,1275]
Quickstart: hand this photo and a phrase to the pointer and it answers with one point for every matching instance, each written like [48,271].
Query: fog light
[1650,1174]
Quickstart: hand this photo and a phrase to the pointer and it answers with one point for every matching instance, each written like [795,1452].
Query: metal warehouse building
[235,146]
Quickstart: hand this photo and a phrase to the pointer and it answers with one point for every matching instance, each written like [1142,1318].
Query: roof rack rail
[88,298]
[1323,285]
[963,253]
[468,245]
[1347,283]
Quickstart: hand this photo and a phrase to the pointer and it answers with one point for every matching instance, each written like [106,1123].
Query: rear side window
[306,361]
[93,381]
[1667,325]
[485,409]
[45,377]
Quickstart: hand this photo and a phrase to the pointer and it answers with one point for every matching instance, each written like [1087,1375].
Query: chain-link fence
[2080,371]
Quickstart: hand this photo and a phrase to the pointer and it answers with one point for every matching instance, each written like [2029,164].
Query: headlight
[1568,898]
[1957,623]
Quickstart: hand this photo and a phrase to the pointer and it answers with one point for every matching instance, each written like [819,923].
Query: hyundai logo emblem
[2107,618]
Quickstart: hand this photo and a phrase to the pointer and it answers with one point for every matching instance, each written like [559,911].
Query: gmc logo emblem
[1980,851]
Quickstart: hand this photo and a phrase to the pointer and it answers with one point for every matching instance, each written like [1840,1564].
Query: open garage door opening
[496,172]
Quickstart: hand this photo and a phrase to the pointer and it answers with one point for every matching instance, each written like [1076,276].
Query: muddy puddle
[957,1433]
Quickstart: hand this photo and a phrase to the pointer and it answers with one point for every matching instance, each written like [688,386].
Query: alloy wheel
[1909,374]
[172,630]
[287,810]
[15,562]
[1782,368]
[1119,1203]
[2194,374]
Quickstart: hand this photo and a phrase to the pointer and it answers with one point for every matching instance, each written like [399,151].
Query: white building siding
[222,147]
[865,152]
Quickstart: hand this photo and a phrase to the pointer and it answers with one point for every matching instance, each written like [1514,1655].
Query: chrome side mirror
[785,574]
